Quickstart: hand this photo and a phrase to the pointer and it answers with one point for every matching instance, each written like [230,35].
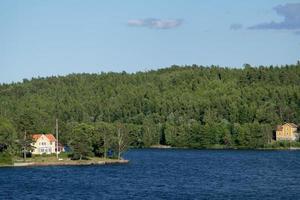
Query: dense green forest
[181,106]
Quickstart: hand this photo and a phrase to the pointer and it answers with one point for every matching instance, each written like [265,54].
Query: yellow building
[45,144]
[287,131]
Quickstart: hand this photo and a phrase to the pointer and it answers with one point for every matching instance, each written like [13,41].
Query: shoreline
[160,146]
[221,148]
[66,163]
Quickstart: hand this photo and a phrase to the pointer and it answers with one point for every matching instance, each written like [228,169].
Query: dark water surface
[164,174]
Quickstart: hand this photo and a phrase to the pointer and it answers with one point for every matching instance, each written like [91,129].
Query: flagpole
[56,128]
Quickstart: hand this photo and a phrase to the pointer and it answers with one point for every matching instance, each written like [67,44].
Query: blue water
[164,174]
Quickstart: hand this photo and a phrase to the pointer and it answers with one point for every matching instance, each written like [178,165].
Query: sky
[41,38]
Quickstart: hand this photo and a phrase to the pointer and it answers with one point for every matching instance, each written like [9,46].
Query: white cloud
[136,22]
[155,23]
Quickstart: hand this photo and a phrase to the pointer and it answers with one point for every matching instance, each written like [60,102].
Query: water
[164,174]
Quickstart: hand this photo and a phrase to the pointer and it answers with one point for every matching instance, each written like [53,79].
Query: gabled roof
[36,136]
[50,137]
[291,124]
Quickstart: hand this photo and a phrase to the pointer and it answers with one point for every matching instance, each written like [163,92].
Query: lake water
[164,174]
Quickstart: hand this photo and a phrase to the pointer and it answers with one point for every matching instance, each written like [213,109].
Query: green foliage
[283,144]
[8,136]
[103,139]
[150,132]
[5,158]
[81,140]
[191,106]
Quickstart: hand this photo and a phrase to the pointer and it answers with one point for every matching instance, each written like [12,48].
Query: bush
[283,144]
[64,155]
[76,156]
[5,159]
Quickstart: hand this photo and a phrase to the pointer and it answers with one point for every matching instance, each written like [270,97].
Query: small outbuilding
[287,131]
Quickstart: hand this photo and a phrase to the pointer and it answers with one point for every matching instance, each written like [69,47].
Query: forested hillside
[191,106]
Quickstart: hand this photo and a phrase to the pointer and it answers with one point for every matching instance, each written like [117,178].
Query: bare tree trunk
[121,140]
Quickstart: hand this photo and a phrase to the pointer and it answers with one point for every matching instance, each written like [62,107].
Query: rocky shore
[68,163]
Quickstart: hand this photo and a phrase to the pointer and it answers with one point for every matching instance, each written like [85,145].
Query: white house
[45,144]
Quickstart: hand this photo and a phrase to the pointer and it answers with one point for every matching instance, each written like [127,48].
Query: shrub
[5,159]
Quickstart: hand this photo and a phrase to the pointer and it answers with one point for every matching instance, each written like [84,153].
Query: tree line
[182,106]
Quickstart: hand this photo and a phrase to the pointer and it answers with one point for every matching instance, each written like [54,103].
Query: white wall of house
[43,146]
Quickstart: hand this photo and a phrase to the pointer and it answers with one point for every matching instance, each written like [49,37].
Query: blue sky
[58,37]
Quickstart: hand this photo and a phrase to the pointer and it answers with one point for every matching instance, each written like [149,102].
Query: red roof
[36,136]
[50,137]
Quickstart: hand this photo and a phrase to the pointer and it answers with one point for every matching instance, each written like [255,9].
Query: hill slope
[190,106]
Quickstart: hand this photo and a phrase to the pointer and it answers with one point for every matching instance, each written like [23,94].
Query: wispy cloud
[236,26]
[155,23]
[291,21]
